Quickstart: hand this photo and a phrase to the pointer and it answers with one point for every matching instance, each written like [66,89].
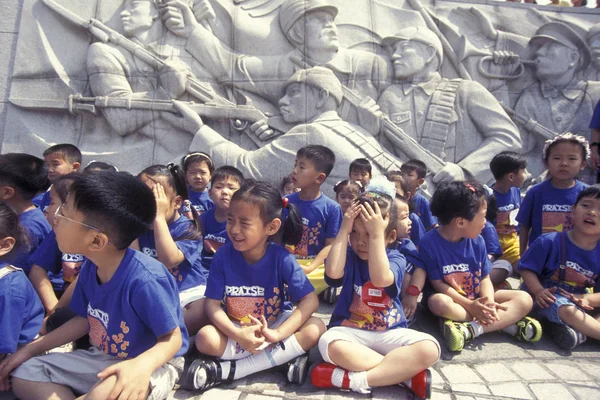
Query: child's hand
[133,380]
[580,299]
[495,307]
[480,311]
[545,297]
[270,335]
[409,304]
[162,201]
[375,224]
[250,337]
[11,362]
[349,217]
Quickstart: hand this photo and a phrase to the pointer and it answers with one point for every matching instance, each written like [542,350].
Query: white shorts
[190,295]
[381,341]
[78,370]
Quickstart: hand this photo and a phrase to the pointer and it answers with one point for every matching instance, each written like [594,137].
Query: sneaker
[326,375]
[566,337]
[420,384]
[524,325]
[65,348]
[203,374]
[298,369]
[456,334]
[503,286]
[330,295]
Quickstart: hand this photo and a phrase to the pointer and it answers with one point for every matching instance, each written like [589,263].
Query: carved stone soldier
[310,99]
[458,120]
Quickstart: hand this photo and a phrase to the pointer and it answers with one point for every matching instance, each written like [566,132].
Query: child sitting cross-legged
[368,343]
[458,268]
[558,269]
[126,300]
[253,331]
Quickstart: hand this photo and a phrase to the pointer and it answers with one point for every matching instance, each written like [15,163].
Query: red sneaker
[420,384]
[326,375]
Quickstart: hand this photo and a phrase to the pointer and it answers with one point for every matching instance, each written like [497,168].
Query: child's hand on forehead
[350,215]
[374,222]
[162,201]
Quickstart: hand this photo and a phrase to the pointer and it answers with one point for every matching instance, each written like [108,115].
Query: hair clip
[372,195]
[567,137]
[470,187]
[198,153]
[284,202]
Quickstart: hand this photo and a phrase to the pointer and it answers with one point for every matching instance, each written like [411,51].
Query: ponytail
[292,227]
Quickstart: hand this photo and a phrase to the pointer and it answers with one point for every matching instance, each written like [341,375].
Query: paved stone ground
[492,367]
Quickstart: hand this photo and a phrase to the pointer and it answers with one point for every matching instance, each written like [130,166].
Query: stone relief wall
[449,82]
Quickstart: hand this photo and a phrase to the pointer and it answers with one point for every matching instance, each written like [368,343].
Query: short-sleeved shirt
[490,236]
[37,200]
[424,211]
[461,265]
[408,249]
[551,250]
[21,311]
[508,207]
[214,236]
[37,228]
[127,314]
[321,219]
[417,229]
[256,289]
[45,201]
[352,309]
[200,201]
[189,273]
[63,266]
[548,209]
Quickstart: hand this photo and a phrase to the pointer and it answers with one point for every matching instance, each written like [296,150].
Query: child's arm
[543,297]
[409,302]
[587,301]
[245,336]
[336,260]
[379,265]
[167,251]
[133,376]
[320,258]
[307,305]
[524,237]
[43,287]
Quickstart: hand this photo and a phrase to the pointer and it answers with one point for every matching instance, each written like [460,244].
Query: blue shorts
[551,313]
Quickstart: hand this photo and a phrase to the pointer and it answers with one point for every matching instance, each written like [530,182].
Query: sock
[513,329]
[275,354]
[477,329]
[200,378]
[358,382]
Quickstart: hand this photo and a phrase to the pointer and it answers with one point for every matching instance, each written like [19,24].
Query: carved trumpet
[468,50]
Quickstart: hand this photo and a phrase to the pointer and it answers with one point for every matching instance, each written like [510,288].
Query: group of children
[140,264]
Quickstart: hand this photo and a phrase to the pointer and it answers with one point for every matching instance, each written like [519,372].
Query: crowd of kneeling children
[130,268]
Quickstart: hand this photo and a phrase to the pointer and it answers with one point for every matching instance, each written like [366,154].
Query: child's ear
[76,166]
[583,165]
[6,245]
[178,202]
[321,178]
[392,236]
[97,241]
[459,222]
[420,181]
[273,226]
[7,192]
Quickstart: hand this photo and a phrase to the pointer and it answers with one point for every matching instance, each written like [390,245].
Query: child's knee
[311,332]
[524,299]
[429,353]
[207,339]
[568,313]
[438,303]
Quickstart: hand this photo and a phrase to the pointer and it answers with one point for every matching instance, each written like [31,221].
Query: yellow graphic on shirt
[241,308]
[364,317]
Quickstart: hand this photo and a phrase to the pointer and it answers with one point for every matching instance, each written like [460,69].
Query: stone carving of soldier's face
[138,16]
[409,58]
[320,31]
[299,104]
[554,60]
[594,44]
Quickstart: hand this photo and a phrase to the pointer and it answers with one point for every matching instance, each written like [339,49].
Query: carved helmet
[562,33]
[292,10]
[320,78]
[419,34]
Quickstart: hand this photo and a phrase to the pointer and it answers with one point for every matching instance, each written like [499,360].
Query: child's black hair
[361,165]
[225,172]
[320,156]
[175,179]
[117,203]
[386,205]
[457,200]
[492,209]
[592,191]
[348,183]
[415,165]
[68,152]
[26,173]
[286,180]
[270,204]
[396,176]
[566,138]
[507,162]
[62,184]
[10,226]
[94,166]
[195,157]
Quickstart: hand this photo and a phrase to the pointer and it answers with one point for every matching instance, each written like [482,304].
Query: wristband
[413,290]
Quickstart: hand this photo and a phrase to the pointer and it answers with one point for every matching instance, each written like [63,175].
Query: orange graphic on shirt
[575,278]
[364,317]
[71,265]
[465,283]
[115,345]
[240,308]
[310,237]
[556,222]
[503,226]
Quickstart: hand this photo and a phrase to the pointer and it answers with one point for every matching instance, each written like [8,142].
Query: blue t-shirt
[199,200]
[424,211]
[461,265]
[352,311]
[417,229]
[45,201]
[64,267]
[408,249]
[321,219]
[189,273]
[127,314]
[21,311]
[37,228]
[490,236]
[508,207]
[37,200]
[548,209]
[546,255]
[214,236]
[256,289]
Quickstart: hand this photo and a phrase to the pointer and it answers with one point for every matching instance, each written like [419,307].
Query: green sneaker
[523,326]
[456,335]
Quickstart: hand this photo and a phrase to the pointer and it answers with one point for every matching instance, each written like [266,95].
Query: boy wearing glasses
[127,301]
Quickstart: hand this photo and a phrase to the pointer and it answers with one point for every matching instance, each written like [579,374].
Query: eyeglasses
[59,214]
